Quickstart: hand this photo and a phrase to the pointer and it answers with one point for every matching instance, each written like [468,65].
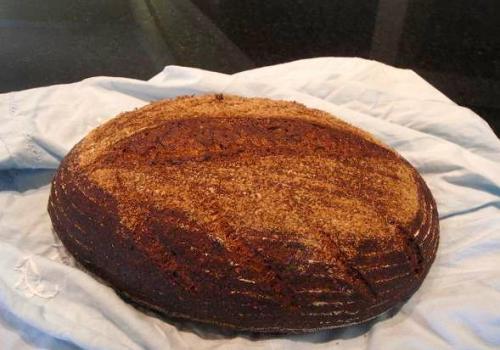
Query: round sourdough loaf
[246,213]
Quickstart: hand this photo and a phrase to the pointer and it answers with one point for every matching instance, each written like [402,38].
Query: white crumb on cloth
[43,292]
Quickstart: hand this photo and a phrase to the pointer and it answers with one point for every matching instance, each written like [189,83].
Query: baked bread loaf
[246,213]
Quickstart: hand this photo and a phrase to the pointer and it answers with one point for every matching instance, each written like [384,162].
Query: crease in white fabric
[60,254]
[30,280]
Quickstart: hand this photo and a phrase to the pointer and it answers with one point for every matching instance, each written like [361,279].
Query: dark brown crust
[185,259]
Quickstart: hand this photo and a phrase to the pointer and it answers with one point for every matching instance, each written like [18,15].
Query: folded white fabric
[47,302]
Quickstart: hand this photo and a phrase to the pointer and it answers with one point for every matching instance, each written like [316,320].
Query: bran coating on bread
[253,214]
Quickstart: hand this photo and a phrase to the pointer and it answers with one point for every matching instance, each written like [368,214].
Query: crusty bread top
[208,106]
[242,165]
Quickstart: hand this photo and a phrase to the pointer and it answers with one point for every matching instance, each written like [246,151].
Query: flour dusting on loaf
[252,214]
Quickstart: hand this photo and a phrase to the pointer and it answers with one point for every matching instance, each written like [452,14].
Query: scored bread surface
[253,214]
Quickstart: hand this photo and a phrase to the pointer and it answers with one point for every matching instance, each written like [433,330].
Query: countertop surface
[454,45]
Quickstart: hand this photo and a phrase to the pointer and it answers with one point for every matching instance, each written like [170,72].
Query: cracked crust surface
[252,214]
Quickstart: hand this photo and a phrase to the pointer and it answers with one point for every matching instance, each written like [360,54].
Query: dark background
[455,45]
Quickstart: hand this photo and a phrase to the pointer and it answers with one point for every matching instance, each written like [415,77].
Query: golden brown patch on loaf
[244,208]
[151,116]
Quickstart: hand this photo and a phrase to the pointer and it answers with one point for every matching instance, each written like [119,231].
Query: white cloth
[46,302]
